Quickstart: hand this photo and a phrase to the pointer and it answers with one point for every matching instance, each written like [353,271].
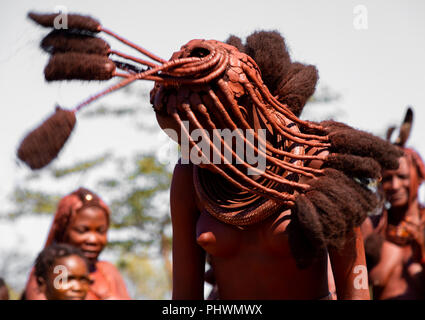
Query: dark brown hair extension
[297,86]
[360,194]
[345,196]
[347,140]
[75,21]
[80,66]
[292,83]
[354,165]
[333,222]
[43,144]
[269,51]
[304,250]
[236,42]
[63,41]
[327,214]
[309,219]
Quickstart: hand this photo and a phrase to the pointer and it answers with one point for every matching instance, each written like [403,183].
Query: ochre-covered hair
[67,208]
[254,86]
[417,172]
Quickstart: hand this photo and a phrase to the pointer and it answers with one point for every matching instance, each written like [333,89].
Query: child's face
[68,279]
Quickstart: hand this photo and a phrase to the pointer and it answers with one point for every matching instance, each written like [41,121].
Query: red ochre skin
[87,230]
[250,263]
[399,274]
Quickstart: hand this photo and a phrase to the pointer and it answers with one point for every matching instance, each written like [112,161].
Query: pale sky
[378,71]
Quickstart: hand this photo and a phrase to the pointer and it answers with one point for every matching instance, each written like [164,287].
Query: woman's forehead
[403,165]
[90,214]
[403,168]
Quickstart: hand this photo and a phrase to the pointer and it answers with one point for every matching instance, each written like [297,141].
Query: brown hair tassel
[79,66]
[43,144]
[60,41]
[74,21]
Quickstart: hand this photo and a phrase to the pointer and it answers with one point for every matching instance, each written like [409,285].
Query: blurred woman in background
[82,220]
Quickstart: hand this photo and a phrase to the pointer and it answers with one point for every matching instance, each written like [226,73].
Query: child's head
[62,273]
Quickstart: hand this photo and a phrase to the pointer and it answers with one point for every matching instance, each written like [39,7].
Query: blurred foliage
[79,166]
[149,277]
[12,265]
[105,111]
[32,201]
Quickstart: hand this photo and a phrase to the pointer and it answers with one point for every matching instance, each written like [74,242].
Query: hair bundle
[74,21]
[354,165]
[346,140]
[292,83]
[43,144]
[327,213]
[61,41]
[79,66]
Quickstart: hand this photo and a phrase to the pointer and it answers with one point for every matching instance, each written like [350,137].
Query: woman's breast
[256,263]
[222,240]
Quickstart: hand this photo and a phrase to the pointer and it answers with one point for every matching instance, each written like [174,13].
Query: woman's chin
[91,257]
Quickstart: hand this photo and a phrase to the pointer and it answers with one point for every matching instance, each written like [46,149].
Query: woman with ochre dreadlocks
[82,220]
[397,250]
[270,214]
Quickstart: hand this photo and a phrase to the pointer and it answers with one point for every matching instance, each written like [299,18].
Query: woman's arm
[188,256]
[349,269]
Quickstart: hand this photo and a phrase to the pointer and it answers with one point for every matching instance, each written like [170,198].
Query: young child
[82,220]
[62,273]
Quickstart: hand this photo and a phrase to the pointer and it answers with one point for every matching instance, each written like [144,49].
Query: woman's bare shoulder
[182,188]
[183,199]
[183,172]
